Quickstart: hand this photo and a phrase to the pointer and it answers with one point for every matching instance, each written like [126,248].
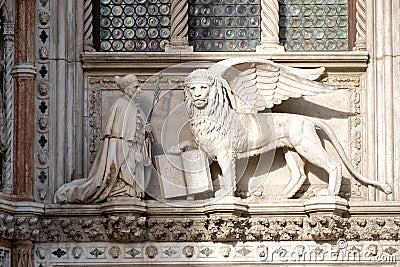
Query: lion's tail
[335,142]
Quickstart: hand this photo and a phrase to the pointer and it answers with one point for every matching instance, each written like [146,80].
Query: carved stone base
[227,206]
[326,206]
[266,47]
[178,47]
[129,205]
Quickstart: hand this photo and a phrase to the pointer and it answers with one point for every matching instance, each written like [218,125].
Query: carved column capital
[22,254]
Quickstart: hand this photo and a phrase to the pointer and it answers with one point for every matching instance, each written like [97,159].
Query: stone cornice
[291,207]
[219,221]
[335,61]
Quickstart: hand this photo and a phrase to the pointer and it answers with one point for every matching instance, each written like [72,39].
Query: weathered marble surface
[226,102]
[119,167]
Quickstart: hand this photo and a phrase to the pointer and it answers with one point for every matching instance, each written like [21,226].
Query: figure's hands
[138,157]
[147,128]
[181,147]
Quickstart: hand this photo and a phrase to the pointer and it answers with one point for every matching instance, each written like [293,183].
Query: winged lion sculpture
[225,104]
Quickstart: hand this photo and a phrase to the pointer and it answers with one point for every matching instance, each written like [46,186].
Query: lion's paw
[174,150]
[323,193]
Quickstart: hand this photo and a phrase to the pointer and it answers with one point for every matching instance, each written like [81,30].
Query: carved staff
[156,97]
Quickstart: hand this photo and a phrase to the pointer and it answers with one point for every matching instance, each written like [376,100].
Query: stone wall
[62,90]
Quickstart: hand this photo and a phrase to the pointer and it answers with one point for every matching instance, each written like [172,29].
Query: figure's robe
[118,168]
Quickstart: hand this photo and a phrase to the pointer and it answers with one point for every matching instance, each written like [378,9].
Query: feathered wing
[257,84]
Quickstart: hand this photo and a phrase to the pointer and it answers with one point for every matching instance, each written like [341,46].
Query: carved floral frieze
[201,229]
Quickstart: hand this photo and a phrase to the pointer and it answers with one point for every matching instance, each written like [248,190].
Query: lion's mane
[217,119]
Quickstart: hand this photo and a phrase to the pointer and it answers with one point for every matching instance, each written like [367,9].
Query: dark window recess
[314,25]
[224,25]
[133,25]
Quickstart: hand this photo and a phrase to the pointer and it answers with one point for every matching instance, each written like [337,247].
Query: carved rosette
[88,25]
[361,25]
[270,26]
[42,100]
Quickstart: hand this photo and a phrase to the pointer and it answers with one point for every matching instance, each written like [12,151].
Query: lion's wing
[258,84]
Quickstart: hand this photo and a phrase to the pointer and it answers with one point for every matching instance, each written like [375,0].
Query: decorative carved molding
[353,84]
[42,107]
[128,228]
[88,26]
[96,84]
[270,26]
[9,107]
[361,25]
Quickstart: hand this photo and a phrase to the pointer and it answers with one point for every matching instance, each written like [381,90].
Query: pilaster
[381,95]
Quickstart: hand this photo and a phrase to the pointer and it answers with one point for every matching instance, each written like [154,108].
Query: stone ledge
[339,61]
[291,207]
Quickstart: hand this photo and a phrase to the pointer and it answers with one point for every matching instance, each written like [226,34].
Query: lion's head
[205,92]
[199,85]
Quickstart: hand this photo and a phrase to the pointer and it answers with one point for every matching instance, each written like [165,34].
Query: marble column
[270,27]
[361,25]
[179,27]
[24,78]
[9,107]
[88,25]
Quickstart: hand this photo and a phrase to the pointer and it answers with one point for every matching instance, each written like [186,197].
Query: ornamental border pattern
[43,91]
[9,47]
[352,82]
[250,252]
